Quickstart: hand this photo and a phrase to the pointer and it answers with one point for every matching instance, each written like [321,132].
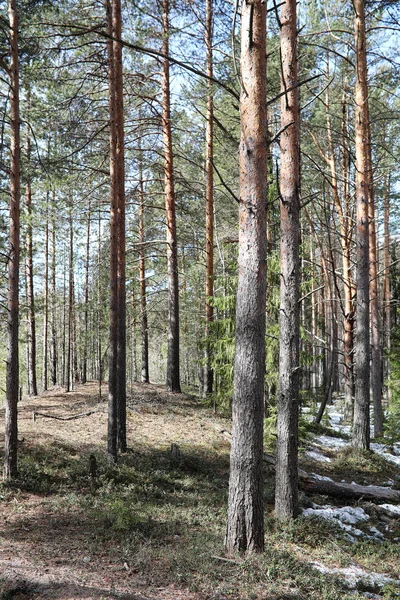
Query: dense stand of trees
[131,117]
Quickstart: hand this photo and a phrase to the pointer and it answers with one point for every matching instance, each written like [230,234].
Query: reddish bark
[245,522]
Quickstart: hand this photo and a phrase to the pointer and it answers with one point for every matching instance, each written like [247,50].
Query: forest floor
[152,528]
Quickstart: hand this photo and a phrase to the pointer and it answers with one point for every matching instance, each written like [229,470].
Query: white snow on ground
[321,477]
[345,517]
[317,455]
[354,575]
[376,533]
[382,450]
[392,509]
[346,514]
[333,443]
[335,416]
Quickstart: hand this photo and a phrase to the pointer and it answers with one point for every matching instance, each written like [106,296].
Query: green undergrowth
[165,520]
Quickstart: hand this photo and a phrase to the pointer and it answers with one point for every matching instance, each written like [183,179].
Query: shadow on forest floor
[152,527]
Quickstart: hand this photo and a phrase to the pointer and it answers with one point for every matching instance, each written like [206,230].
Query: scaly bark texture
[12,367]
[113,350]
[245,523]
[121,253]
[173,376]
[208,372]
[286,494]
[361,424]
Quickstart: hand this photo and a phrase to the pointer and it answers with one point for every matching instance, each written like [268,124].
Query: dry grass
[151,528]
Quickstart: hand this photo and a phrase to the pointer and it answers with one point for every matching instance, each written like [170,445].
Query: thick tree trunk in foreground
[113,350]
[245,523]
[208,372]
[12,367]
[173,376]
[120,190]
[286,494]
[32,388]
[361,425]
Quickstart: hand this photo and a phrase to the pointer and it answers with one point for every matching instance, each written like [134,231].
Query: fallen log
[60,418]
[317,484]
[375,493]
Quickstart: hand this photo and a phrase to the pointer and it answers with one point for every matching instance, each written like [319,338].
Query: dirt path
[50,549]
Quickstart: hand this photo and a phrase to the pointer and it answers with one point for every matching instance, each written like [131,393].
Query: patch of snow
[331,442]
[344,517]
[320,478]
[376,533]
[392,509]
[354,575]
[382,450]
[317,455]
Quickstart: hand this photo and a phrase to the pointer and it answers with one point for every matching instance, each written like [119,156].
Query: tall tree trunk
[32,391]
[86,314]
[120,190]
[64,312]
[208,372]
[12,366]
[386,280]
[375,320]
[99,356]
[46,296]
[173,376]
[142,280]
[53,365]
[133,332]
[245,522]
[69,365]
[74,344]
[361,424]
[114,232]
[286,494]
[348,281]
